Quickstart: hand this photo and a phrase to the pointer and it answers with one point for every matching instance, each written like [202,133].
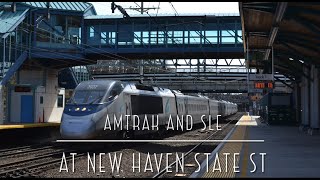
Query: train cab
[86,107]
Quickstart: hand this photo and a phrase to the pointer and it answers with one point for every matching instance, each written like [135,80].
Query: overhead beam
[242,26]
[281,8]
[283,82]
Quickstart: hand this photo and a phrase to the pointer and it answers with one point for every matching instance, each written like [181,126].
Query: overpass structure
[58,44]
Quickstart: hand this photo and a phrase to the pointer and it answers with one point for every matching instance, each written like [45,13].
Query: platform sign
[256,97]
[263,85]
[255,90]
[260,77]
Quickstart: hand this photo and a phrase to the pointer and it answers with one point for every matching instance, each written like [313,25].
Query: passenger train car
[94,101]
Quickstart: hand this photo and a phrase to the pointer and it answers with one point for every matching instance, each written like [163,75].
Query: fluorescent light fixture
[301,61]
[290,59]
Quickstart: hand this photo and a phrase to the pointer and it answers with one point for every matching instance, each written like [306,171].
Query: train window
[88,96]
[115,91]
[95,96]
[143,87]
[60,101]
[144,104]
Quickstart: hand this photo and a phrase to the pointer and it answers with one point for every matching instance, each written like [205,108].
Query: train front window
[88,97]
[114,92]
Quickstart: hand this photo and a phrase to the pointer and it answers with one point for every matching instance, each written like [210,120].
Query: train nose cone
[77,128]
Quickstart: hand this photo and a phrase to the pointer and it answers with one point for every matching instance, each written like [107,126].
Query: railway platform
[17,133]
[27,125]
[280,151]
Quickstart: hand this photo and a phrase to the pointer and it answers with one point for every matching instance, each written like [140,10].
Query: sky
[104,8]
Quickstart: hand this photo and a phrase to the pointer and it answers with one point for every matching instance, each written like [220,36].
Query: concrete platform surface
[289,153]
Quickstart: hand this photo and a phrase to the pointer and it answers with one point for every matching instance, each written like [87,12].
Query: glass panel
[194,40]
[212,40]
[103,41]
[227,33]
[211,33]
[228,40]
[74,29]
[60,100]
[193,34]
[87,97]
[161,36]
[91,29]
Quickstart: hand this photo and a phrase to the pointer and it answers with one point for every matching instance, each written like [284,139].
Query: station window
[153,37]
[112,37]
[74,29]
[186,37]
[137,38]
[194,37]
[161,37]
[211,37]
[41,99]
[228,37]
[92,31]
[60,101]
[145,37]
[178,37]
[103,37]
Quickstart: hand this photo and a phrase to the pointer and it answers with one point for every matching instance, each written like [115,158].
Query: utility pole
[141,9]
[120,8]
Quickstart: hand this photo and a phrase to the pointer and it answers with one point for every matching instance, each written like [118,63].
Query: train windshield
[88,96]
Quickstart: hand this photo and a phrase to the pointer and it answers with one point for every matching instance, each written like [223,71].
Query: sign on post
[260,77]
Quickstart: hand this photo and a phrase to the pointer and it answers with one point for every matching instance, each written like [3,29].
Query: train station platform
[19,134]
[280,151]
[29,125]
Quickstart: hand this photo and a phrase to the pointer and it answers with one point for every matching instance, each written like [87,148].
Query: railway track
[164,171]
[38,165]
[33,166]
[21,148]
[21,152]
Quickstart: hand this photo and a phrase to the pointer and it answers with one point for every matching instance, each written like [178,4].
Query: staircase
[6,73]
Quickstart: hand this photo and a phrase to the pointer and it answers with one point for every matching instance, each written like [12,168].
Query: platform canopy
[291,28]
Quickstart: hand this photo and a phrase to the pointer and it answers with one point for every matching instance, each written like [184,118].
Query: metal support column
[248,73]
[141,71]
[314,100]
[305,100]
[272,64]
[4,56]
[297,92]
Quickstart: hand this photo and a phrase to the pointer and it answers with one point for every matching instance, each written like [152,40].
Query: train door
[127,102]
[186,105]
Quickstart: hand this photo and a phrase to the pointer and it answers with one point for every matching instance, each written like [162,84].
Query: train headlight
[83,109]
[77,109]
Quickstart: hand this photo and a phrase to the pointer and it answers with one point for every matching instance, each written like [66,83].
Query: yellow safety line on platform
[244,165]
[248,121]
[231,148]
[20,126]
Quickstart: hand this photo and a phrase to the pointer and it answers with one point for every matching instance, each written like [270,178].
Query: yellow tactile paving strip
[21,126]
[245,154]
[238,134]
[247,121]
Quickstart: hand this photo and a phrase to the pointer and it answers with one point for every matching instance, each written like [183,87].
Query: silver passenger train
[84,116]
